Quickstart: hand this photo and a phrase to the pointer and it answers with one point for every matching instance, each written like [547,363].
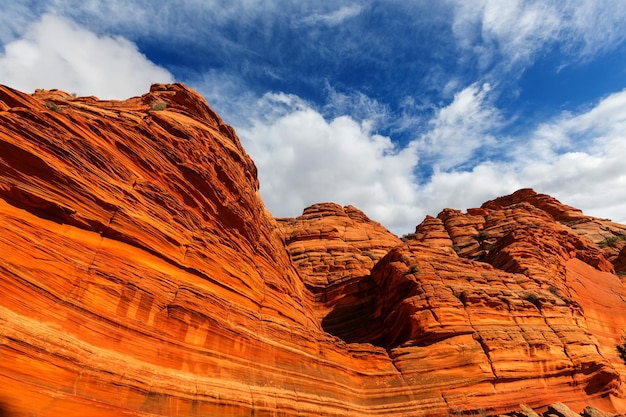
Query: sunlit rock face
[140,274]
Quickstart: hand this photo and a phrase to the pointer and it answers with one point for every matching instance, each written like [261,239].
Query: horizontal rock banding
[140,274]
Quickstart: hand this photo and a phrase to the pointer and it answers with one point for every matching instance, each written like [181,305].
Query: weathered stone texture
[140,274]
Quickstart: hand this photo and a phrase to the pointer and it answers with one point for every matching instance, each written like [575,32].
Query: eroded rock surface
[335,248]
[140,274]
[538,296]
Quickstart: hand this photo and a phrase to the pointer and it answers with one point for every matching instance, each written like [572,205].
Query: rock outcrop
[140,274]
[523,293]
[334,249]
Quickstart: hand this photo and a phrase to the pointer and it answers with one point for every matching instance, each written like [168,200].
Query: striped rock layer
[141,275]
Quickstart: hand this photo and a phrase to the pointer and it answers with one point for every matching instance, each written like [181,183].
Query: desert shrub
[621,349]
[612,240]
[480,236]
[158,105]
[369,255]
[533,299]
[53,106]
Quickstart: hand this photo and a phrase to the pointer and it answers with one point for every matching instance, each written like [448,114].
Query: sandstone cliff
[140,274]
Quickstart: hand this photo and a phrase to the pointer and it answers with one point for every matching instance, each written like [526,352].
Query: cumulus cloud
[454,153]
[305,159]
[465,189]
[57,53]
[590,172]
[577,158]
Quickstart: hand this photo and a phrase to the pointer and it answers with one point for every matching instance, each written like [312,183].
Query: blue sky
[400,108]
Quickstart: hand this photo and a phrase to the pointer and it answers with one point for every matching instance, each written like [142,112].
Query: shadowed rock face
[335,248]
[140,274]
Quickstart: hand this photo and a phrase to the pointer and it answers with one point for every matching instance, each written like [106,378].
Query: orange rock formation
[334,249]
[140,274]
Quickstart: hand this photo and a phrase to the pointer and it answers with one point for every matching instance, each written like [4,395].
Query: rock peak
[320,210]
[555,208]
[179,97]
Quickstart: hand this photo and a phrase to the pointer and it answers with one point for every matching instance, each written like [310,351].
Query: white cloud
[57,53]
[577,158]
[13,18]
[305,159]
[597,25]
[358,105]
[460,128]
[590,174]
[518,30]
[465,189]
[336,17]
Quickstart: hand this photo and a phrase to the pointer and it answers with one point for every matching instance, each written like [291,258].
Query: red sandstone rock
[554,268]
[334,249]
[610,236]
[140,274]
[139,270]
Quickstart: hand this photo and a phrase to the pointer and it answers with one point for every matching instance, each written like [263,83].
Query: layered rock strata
[537,294]
[140,274]
[334,249]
